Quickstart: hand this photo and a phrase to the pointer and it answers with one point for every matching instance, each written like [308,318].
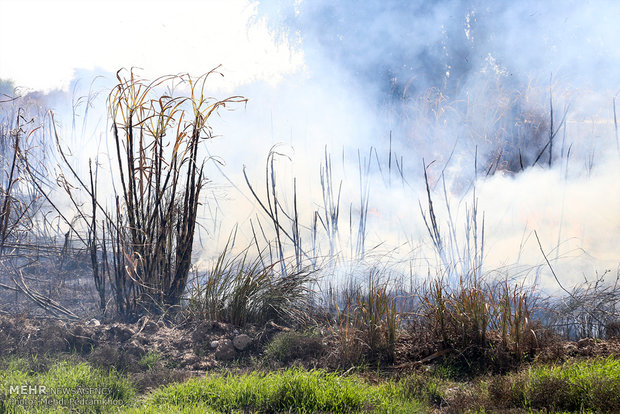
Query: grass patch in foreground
[586,385]
[591,385]
[293,391]
[64,387]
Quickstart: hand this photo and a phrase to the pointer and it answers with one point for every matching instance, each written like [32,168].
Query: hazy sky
[43,42]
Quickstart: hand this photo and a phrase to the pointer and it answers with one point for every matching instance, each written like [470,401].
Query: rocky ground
[199,346]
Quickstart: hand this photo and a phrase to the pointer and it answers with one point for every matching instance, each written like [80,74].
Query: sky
[382,88]
[49,40]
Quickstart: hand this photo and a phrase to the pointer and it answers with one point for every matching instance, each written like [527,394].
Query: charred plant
[145,240]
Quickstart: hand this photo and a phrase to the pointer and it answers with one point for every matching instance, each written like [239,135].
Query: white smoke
[465,85]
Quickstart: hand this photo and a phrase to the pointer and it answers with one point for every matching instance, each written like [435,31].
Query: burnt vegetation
[123,254]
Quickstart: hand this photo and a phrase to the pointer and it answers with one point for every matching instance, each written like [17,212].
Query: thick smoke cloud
[440,43]
[466,86]
[472,55]
[517,92]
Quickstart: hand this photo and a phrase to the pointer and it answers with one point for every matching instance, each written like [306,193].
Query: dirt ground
[200,346]
[194,346]
[152,353]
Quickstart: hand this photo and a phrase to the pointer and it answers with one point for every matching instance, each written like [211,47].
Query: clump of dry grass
[241,289]
[479,325]
[366,321]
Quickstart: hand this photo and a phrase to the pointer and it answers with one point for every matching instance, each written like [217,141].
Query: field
[116,307]
[116,303]
[116,380]
[440,236]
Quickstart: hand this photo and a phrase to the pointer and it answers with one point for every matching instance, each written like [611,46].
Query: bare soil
[192,346]
[195,346]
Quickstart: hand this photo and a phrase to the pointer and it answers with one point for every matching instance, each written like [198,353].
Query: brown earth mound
[199,346]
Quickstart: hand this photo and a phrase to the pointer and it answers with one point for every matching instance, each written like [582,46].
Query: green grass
[63,380]
[585,385]
[198,408]
[286,347]
[294,391]
[150,360]
[591,385]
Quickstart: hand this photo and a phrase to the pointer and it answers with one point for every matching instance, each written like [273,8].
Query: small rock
[225,350]
[236,331]
[93,322]
[241,342]
[214,344]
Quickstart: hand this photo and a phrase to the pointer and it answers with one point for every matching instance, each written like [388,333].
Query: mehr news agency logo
[64,396]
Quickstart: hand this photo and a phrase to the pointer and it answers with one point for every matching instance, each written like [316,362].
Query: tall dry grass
[365,319]
[241,289]
[142,244]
